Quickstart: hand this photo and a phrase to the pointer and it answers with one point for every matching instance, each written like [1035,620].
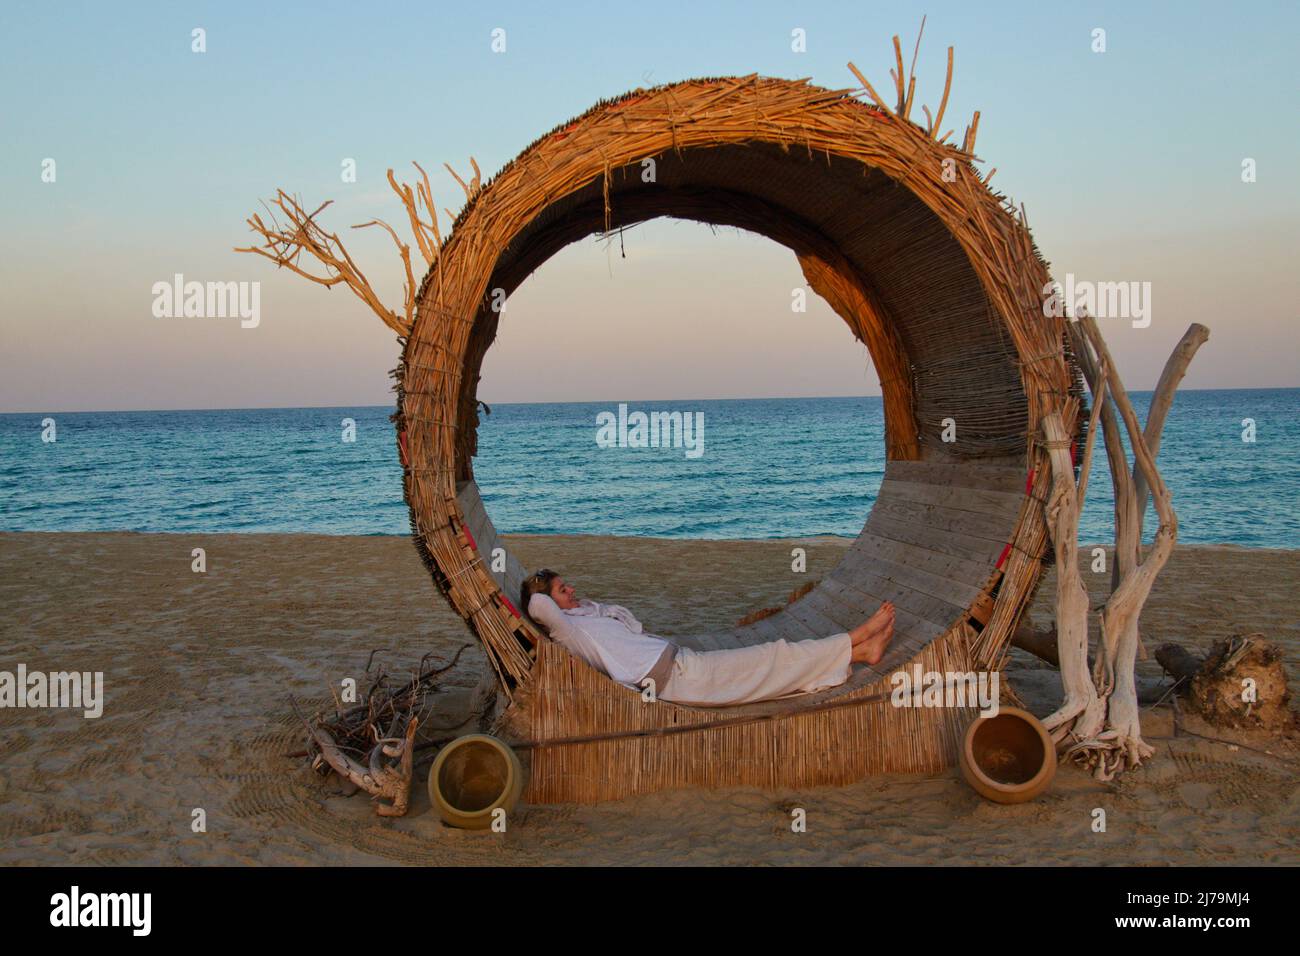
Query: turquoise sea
[770,468]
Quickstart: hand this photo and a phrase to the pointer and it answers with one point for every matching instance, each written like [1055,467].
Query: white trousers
[743,675]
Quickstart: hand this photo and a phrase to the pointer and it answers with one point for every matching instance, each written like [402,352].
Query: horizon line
[585,401]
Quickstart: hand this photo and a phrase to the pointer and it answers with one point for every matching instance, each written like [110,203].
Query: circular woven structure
[929,268]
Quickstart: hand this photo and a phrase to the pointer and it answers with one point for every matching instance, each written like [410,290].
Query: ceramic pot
[1009,757]
[473,777]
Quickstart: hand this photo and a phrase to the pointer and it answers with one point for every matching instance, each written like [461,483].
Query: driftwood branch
[1120,746]
[1097,723]
[285,243]
[1126,544]
[1162,400]
[372,743]
[389,785]
[1082,712]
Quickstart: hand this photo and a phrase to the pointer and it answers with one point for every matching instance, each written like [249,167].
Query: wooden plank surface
[807,611]
[871,593]
[977,500]
[757,633]
[924,558]
[958,594]
[983,551]
[712,641]
[911,634]
[1010,478]
[934,610]
[832,614]
[969,524]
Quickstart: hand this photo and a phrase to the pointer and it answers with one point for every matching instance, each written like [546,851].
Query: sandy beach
[198,669]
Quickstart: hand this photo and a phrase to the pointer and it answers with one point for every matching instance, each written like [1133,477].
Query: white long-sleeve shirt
[606,636]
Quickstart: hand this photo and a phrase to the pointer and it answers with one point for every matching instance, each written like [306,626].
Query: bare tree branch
[285,244]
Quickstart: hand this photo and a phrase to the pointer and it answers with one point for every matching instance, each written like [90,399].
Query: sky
[1129,162]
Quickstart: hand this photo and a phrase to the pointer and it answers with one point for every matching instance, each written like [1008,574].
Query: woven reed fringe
[567,698]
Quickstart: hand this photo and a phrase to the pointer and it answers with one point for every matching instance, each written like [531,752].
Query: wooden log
[1179,662]
[1042,644]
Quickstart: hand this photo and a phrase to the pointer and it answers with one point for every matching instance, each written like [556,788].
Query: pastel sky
[1129,162]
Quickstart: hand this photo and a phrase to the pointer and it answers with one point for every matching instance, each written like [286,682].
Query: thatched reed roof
[937,276]
[895,227]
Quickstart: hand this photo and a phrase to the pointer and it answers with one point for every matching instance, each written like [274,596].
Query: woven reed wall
[941,280]
[819,748]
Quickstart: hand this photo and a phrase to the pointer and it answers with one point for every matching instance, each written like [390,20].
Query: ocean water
[770,468]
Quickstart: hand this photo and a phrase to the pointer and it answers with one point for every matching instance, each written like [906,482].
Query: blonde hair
[538,583]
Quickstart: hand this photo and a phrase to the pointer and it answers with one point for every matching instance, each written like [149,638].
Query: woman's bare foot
[871,650]
[872,625]
[871,637]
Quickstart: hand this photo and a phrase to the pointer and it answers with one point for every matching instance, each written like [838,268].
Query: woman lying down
[610,639]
